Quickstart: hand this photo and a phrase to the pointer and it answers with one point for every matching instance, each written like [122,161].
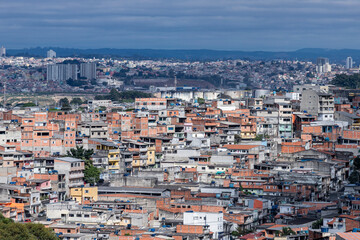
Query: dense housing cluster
[188,164]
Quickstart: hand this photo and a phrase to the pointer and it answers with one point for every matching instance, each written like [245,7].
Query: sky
[270,25]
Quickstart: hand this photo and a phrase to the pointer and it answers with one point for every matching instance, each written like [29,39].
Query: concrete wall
[121,181]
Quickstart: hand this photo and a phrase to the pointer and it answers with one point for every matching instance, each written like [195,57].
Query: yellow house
[150,156]
[84,194]
[114,159]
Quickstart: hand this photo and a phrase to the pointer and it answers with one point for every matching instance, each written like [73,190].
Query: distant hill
[308,54]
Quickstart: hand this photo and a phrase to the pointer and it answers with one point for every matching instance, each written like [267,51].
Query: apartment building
[318,103]
[73,169]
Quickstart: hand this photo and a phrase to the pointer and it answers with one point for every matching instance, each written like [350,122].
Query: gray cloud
[170,24]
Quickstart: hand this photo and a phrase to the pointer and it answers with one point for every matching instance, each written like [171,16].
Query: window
[86,191]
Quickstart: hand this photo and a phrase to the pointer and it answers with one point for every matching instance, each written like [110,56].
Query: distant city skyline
[277,25]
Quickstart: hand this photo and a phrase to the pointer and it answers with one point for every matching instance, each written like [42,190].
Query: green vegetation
[260,137]
[317,224]
[71,61]
[76,101]
[286,231]
[75,83]
[114,95]
[201,100]
[354,177]
[54,110]
[65,105]
[29,104]
[17,231]
[356,163]
[348,81]
[237,138]
[121,74]
[91,173]
[80,153]
[102,108]
[241,232]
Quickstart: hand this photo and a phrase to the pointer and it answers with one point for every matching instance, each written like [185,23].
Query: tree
[40,232]
[80,152]
[348,81]
[114,95]
[91,173]
[29,104]
[76,101]
[317,224]
[76,83]
[237,138]
[286,231]
[241,232]
[65,105]
[356,163]
[16,231]
[259,137]
[354,177]
[201,100]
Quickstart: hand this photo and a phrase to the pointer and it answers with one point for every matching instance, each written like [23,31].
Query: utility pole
[4,93]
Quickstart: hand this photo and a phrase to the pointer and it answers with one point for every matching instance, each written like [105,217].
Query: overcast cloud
[181,24]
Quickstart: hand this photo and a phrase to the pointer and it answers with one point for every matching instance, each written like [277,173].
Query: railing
[78,175]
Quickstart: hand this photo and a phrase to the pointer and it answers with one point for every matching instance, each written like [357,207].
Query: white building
[2,51]
[88,70]
[62,72]
[215,221]
[349,63]
[323,65]
[318,103]
[51,54]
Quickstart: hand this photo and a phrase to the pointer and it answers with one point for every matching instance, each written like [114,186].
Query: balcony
[75,184]
[143,149]
[81,168]
[128,160]
[114,167]
[114,160]
[78,175]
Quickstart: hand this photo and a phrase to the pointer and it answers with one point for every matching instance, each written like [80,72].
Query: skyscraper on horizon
[88,70]
[349,63]
[323,65]
[2,51]
[62,72]
[51,54]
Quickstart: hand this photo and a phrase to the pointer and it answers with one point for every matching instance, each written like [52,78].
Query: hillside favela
[165,149]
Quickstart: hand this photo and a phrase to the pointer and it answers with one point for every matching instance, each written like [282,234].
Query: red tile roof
[240,147]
